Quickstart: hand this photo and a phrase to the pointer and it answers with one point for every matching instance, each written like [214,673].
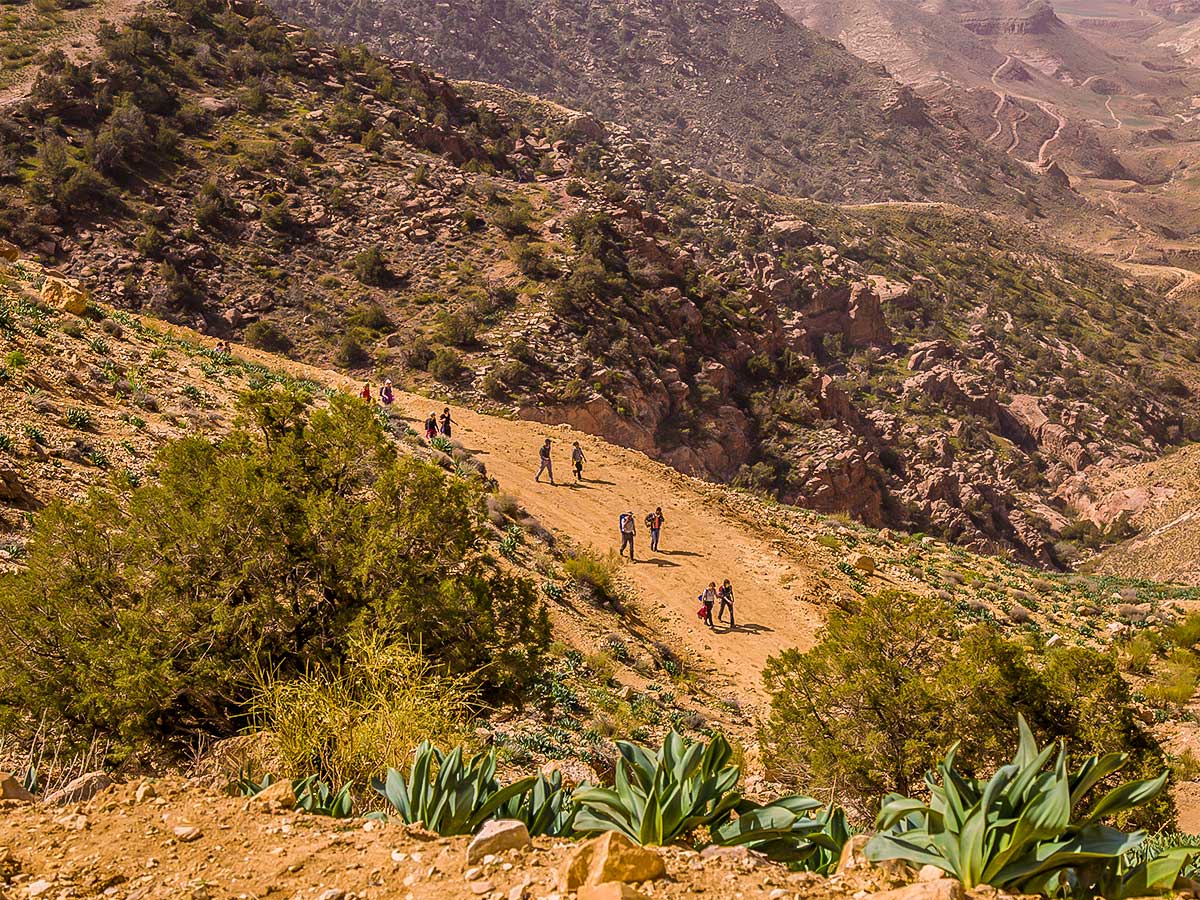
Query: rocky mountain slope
[366,214]
[728,86]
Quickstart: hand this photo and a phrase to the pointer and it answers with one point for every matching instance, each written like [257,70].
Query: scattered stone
[72,821]
[497,836]
[145,791]
[11,789]
[185,834]
[930,872]
[481,887]
[82,789]
[331,894]
[37,888]
[939,889]
[610,890]
[610,857]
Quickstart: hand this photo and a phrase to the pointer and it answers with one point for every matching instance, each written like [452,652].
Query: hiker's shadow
[599,481]
[680,553]
[749,628]
[654,561]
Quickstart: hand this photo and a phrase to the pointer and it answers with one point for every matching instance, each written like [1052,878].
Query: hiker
[385,393]
[545,466]
[628,529]
[446,422]
[577,460]
[365,393]
[431,427]
[654,521]
[707,600]
[725,595]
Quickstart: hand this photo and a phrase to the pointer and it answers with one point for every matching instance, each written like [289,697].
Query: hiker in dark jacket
[725,594]
[385,393]
[545,466]
[446,422]
[431,427]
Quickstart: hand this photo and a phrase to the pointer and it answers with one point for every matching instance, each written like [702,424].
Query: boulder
[62,295]
[9,252]
[12,789]
[497,836]
[280,793]
[82,789]
[792,233]
[610,857]
[864,563]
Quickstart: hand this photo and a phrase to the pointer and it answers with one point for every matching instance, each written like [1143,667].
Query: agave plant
[312,795]
[449,793]
[316,797]
[546,808]
[660,797]
[1029,827]
[794,829]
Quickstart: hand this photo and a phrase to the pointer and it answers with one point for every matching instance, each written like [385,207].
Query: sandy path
[700,542]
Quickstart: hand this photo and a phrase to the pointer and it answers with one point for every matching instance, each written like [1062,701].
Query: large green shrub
[143,609]
[879,699]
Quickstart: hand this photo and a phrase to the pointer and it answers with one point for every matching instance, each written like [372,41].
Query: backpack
[649,520]
[622,521]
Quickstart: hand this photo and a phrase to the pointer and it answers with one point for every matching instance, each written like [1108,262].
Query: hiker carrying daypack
[654,521]
[628,528]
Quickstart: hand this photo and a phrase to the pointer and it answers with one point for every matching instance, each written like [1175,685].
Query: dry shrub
[352,723]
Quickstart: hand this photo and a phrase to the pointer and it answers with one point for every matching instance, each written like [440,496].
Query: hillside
[730,87]
[363,213]
[1101,90]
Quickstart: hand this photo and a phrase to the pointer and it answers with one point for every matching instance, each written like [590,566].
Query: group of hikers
[442,425]
[434,425]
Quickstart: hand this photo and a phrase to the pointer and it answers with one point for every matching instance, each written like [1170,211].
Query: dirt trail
[700,541]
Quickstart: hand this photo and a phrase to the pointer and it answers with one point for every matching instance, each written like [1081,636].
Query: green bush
[349,722]
[266,336]
[142,607]
[370,266]
[872,706]
[594,572]
[1034,827]
[445,364]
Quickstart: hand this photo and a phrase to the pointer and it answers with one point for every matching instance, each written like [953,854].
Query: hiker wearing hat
[446,422]
[385,393]
[628,527]
[431,427]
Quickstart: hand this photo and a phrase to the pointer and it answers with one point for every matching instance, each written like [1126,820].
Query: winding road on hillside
[1048,108]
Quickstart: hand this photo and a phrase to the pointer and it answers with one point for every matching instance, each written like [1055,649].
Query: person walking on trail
[654,521]
[725,595]
[707,600]
[365,393]
[446,422]
[628,527]
[577,460]
[385,393]
[544,455]
[431,427]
